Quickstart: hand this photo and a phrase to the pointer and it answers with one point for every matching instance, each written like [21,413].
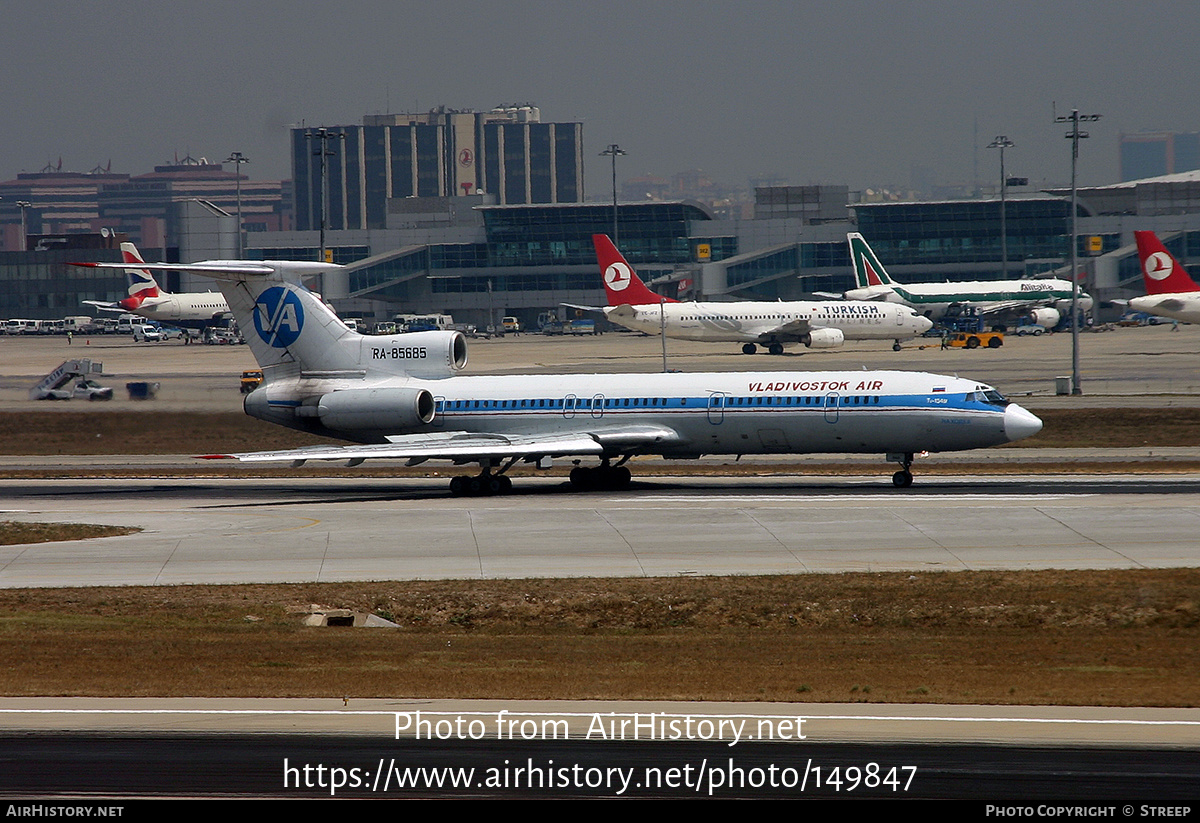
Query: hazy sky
[858,93]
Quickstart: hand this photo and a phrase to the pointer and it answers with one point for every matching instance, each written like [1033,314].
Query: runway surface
[298,530]
[448,748]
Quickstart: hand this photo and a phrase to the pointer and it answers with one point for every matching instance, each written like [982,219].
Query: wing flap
[470,446]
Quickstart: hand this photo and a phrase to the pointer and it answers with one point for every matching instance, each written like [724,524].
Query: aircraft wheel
[492,485]
[620,478]
[896,346]
[581,478]
[458,485]
[902,479]
[995,343]
[749,348]
[505,483]
[474,486]
[775,348]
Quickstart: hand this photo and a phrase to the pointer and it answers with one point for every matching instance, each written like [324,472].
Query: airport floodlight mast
[23,205]
[1001,142]
[1075,135]
[237,158]
[614,151]
[324,152]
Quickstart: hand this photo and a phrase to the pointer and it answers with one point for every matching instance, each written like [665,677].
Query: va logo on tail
[278,316]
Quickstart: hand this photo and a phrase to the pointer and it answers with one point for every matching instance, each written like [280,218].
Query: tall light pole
[23,205]
[1075,135]
[614,151]
[1001,142]
[324,135]
[237,158]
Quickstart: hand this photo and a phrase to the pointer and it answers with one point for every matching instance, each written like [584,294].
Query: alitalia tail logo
[278,316]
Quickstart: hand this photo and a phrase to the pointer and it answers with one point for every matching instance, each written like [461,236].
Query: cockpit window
[993,397]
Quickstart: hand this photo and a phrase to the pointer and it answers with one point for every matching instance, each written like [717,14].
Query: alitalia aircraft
[1170,292]
[816,324]
[1045,301]
[402,396]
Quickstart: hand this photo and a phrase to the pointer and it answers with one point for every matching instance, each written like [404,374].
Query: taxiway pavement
[226,530]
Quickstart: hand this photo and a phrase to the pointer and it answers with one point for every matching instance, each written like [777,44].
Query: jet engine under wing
[468,447]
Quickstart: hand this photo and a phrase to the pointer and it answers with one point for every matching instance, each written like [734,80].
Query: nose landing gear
[903,478]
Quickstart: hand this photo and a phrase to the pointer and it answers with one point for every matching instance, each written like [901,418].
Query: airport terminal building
[478,258]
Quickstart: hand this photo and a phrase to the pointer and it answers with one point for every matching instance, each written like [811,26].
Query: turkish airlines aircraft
[1170,291]
[816,324]
[1045,301]
[402,397]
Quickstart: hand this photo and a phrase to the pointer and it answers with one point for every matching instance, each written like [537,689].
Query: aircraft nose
[1019,423]
[924,324]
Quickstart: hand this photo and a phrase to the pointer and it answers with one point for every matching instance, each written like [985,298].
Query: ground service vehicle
[975,339]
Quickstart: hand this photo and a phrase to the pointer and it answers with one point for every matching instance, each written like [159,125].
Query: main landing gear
[903,478]
[772,348]
[483,484]
[601,478]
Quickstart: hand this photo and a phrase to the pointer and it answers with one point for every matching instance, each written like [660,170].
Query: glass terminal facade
[966,232]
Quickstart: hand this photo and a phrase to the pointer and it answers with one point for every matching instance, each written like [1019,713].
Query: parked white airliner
[1042,300]
[1170,291]
[400,396]
[816,324]
[191,310]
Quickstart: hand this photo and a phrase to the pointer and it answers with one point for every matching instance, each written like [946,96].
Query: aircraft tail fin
[868,271]
[1161,272]
[621,283]
[290,328]
[142,284]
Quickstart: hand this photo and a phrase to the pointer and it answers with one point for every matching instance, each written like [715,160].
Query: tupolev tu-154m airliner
[402,396]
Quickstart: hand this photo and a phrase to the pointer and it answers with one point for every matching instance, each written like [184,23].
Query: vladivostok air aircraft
[817,324]
[1044,301]
[402,396]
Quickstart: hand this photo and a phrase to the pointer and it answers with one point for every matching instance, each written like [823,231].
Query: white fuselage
[760,322]
[189,309]
[985,296]
[714,413]
[1183,306]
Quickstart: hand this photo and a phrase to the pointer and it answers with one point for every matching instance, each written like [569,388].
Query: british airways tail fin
[142,284]
[1161,272]
[621,283]
[868,271]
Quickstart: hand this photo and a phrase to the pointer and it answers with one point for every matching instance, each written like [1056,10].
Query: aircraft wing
[795,329]
[468,447]
[584,308]
[1002,306]
[102,306]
